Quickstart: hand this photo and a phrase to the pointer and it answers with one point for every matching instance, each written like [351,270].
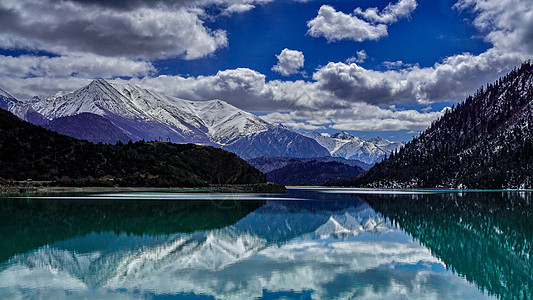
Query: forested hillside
[28,151]
[486,141]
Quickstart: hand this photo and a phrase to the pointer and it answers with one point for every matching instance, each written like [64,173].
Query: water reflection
[29,223]
[325,245]
[485,237]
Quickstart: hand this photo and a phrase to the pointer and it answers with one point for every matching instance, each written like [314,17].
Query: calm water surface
[305,244]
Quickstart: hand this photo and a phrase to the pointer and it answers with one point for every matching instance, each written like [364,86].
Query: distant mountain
[144,115]
[267,164]
[484,142]
[345,145]
[276,141]
[30,151]
[311,173]
[386,145]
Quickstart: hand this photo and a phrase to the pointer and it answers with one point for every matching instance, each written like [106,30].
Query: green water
[305,244]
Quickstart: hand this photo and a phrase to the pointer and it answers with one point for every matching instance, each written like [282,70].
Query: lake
[304,244]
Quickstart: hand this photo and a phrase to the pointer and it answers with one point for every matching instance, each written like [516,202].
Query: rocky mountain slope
[486,141]
[144,115]
[30,151]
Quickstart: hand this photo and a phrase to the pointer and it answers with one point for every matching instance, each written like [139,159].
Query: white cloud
[450,80]
[238,8]
[394,65]
[142,32]
[359,116]
[289,62]
[79,65]
[390,14]
[360,58]
[336,25]
[508,24]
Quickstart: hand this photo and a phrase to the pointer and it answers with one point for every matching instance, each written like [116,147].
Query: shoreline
[36,188]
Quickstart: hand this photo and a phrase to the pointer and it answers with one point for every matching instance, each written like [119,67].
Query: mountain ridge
[144,115]
[348,146]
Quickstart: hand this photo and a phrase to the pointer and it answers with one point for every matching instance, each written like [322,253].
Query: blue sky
[255,37]
[372,68]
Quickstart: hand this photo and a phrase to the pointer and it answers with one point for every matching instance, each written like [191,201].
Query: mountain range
[123,112]
[486,142]
[108,112]
[345,145]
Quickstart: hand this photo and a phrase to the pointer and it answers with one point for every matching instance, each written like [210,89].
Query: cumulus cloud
[390,14]
[289,62]
[144,32]
[360,116]
[336,25]
[508,24]
[449,80]
[360,57]
[238,8]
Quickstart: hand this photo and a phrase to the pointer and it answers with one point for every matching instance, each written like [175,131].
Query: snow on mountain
[200,121]
[345,145]
[142,114]
[20,109]
[386,144]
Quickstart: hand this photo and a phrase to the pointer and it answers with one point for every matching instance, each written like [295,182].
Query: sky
[372,68]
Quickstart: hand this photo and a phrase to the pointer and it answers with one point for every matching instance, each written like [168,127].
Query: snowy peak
[345,145]
[378,141]
[143,114]
[343,135]
[386,145]
[213,120]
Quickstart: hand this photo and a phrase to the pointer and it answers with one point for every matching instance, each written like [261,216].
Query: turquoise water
[305,244]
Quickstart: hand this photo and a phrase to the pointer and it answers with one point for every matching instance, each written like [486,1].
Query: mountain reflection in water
[315,244]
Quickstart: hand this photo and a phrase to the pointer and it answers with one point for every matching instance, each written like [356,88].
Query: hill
[485,142]
[29,151]
[310,171]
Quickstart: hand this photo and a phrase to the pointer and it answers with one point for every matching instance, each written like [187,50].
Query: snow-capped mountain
[142,114]
[386,144]
[345,145]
